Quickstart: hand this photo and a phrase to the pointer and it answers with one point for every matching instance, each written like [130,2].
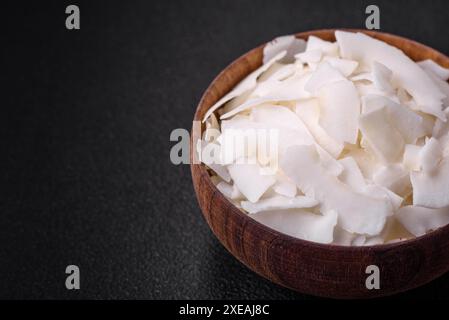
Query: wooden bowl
[313,268]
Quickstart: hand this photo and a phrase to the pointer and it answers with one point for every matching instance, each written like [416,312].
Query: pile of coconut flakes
[363,141]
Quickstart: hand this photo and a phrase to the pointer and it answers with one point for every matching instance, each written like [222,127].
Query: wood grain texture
[312,268]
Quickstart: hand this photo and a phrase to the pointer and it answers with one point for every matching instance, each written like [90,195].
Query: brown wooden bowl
[308,267]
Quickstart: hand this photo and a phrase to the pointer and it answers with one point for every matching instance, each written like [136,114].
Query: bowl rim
[203,171]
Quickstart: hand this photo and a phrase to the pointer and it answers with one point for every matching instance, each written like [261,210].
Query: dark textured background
[86,117]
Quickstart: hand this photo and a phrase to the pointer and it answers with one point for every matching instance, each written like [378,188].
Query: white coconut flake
[327,47]
[431,190]
[420,220]
[312,56]
[412,159]
[442,85]
[351,175]
[382,77]
[343,237]
[407,74]
[300,224]
[230,191]
[292,131]
[384,139]
[340,109]
[430,156]
[309,112]
[249,180]
[394,177]
[431,66]
[359,240]
[284,186]
[247,84]
[366,161]
[220,171]
[279,203]
[289,43]
[380,192]
[345,66]
[323,75]
[410,124]
[357,213]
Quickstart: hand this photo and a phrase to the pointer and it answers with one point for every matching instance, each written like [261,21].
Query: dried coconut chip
[420,220]
[230,191]
[384,139]
[431,190]
[340,109]
[309,112]
[327,47]
[289,43]
[284,186]
[406,73]
[249,180]
[357,213]
[300,224]
[431,66]
[279,203]
[247,84]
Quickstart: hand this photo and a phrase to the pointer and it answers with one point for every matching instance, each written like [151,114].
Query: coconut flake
[209,154]
[292,131]
[407,74]
[412,159]
[357,213]
[430,156]
[340,109]
[431,190]
[382,77]
[300,224]
[374,241]
[409,124]
[287,90]
[284,186]
[247,84]
[279,203]
[345,66]
[323,75]
[420,220]
[380,192]
[394,177]
[366,161]
[442,85]
[359,240]
[327,47]
[312,56]
[386,142]
[288,43]
[230,191]
[249,180]
[429,65]
[351,175]
[309,112]
[343,237]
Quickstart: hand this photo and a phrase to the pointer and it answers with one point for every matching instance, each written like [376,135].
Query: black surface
[86,117]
